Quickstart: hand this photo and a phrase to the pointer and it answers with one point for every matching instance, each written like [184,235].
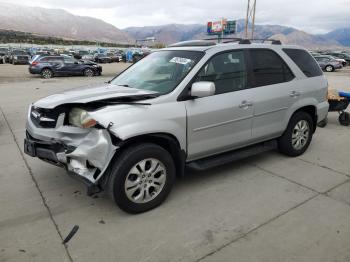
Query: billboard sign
[217,27]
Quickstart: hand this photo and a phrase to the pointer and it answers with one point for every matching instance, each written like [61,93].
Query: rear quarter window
[304,61]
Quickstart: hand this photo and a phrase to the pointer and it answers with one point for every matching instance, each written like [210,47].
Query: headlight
[15,57]
[81,118]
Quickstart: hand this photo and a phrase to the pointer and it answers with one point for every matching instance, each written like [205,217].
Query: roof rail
[203,42]
[273,41]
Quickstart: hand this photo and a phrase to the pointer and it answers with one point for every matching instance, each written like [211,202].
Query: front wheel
[141,178]
[89,72]
[298,135]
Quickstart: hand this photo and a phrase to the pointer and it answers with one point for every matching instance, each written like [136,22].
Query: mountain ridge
[59,23]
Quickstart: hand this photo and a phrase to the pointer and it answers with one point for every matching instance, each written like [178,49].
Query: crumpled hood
[89,94]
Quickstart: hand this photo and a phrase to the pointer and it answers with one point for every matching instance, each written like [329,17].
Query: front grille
[44,118]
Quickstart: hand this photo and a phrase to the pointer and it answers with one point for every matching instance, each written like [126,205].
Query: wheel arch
[165,140]
[311,110]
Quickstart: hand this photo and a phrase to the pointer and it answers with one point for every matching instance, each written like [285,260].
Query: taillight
[34,63]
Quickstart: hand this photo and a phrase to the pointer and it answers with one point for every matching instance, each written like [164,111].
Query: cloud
[313,16]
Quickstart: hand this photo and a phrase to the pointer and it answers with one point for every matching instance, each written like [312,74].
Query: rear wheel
[46,73]
[329,68]
[298,135]
[89,72]
[141,178]
[323,123]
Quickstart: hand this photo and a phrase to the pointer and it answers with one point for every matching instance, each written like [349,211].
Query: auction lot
[265,208]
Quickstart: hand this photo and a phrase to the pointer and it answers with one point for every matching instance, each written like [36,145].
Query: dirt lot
[265,208]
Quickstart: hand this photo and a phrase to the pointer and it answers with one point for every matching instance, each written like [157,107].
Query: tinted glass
[51,59]
[304,61]
[69,60]
[269,68]
[227,71]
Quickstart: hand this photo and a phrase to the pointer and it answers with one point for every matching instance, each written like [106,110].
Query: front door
[223,121]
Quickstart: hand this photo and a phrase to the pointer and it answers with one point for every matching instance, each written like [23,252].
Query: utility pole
[250,19]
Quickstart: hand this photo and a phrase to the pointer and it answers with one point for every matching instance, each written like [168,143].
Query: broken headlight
[81,118]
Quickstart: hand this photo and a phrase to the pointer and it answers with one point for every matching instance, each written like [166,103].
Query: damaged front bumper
[85,153]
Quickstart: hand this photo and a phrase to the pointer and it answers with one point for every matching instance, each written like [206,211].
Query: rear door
[223,121]
[274,93]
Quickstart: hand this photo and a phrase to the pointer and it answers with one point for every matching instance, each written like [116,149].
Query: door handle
[245,104]
[294,94]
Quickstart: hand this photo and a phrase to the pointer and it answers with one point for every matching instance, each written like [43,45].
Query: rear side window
[268,68]
[304,61]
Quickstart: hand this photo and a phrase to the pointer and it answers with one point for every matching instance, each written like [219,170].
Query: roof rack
[224,40]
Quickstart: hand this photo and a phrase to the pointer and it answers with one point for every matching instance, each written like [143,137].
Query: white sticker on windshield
[180,60]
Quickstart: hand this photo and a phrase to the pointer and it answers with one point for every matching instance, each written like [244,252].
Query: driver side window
[68,60]
[227,71]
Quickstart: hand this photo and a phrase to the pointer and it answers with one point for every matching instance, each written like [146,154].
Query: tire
[122,176]
[329,68]
[301,127]
[46,73]
[89,72]
[323,123]
[344,119]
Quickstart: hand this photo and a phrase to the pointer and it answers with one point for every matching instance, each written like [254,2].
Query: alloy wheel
[300,134]
[145,180]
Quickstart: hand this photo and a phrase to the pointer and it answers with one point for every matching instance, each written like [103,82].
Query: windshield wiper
[124,85]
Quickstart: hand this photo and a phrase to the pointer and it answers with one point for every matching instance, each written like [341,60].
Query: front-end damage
[84,152]
[91,157]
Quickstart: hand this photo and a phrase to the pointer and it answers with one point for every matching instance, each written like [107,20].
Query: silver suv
[196,104]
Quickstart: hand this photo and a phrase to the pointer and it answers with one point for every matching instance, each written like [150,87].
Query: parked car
[50,66]
[3,53]
[194,104]
[340,60]
[344,56]
[86,55]
[114,57]
[328,64]
[102,58]
[19,57]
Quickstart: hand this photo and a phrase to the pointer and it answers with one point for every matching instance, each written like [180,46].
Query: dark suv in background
[19,57]
[50,66]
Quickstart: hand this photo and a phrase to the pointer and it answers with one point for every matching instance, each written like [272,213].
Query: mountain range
[60,23]
[178,32]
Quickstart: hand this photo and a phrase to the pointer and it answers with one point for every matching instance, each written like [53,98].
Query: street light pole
[250,18]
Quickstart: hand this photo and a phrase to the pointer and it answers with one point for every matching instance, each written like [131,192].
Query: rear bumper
[34,70]
[322,111]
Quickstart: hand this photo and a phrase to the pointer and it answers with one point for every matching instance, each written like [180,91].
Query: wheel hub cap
[145,180]
[300,135]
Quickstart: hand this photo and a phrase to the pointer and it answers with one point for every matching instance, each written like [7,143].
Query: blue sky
[313,16]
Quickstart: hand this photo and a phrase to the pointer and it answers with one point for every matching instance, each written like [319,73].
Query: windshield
[160,71]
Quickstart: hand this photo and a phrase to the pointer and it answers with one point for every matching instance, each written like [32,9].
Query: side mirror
[202,89]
